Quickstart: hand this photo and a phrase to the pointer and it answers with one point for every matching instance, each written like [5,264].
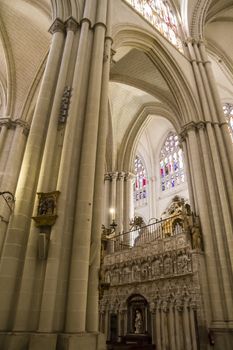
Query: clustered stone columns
[17,233]
[13,135]
[173,325]
[119,196]
[208,151]
[66,155]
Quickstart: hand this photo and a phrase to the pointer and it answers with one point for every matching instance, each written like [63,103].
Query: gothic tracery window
[228,112]
[161,16]
[140,184]
[171,163]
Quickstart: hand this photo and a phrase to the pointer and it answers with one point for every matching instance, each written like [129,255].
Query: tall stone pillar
[120,202]
[17,233]
[107,185]
[79,268]
[98,200]
[128,208]
[9,180]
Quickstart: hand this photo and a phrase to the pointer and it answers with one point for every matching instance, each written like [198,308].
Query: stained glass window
[228,111]
[140,184]
[161,16]
[171,163]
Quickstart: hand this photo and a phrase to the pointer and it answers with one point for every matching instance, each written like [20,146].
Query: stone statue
[196,237]
[138,322]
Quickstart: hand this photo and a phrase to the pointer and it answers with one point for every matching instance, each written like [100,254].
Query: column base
[52,341]
[14,340]
[45,341]
[220,338]
[87,341]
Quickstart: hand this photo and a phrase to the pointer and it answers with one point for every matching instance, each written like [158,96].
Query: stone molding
[119,176]
[13,124]
[197,126]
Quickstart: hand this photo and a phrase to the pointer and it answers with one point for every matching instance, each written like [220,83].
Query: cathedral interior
[116,174]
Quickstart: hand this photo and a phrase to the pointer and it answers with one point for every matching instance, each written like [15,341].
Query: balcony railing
[159,229]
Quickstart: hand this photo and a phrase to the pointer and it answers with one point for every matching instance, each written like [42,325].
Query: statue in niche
[46,206]
[196,237]
[138,322]
[46,210]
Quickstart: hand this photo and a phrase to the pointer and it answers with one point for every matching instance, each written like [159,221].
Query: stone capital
[6,122]
[121,176]
[71,24]
[57,26]
[200,125]
[129,176]
[107,177]
[113,175]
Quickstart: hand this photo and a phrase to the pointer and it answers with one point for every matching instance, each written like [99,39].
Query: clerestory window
[140,183]
[228,112]
[171,163]
[159,13]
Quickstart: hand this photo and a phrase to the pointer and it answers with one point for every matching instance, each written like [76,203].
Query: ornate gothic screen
[228,111]
[171,163]
[161,16]
[140,184]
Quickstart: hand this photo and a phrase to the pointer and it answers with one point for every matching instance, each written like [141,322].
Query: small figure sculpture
[196,237]
[138,322]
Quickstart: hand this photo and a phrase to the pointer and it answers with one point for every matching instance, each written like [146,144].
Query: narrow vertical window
[228,112]
[171,163]
[140,184]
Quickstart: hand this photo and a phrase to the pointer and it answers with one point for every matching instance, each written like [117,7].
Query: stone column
[48,284]
[79,268]
[193,327]
[158,328]
[222,127]
[205,217]
[188,174]
[218,240]
[128,207]
[187,334]
[9,179]
[4,124]
[112,245]
[98,202]
[120,202]
[50,149]
[125,322]
[171,327]
[17,233]
[178,332]
[107,184]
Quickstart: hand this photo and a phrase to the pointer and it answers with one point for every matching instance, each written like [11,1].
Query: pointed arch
[171,70]
[64,9]
[10,69]
[128,147]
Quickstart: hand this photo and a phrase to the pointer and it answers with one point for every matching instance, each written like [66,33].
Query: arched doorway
[138,315]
